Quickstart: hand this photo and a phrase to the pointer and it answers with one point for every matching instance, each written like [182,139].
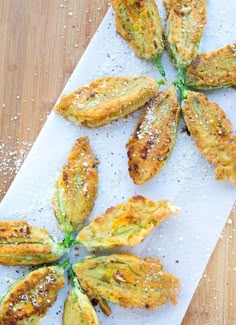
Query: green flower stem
[181,75]
[160,67]
[182,89]
[64,264]
[72,276]
[68,241]
[161,81]
[74,279]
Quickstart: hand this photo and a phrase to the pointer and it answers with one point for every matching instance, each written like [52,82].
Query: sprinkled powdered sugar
[150,116]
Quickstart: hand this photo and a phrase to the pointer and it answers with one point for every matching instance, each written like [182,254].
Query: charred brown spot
[92,95]
[25,230]
[109,210]
[147,306]
[65,177]
[134,167]
[178,11]
[138,197]
[94,302]
[129,154]
[105,279]
[12,322]
[98,219]
[96,163]
[144,153]
[139,3]
[137,130]
[130,219]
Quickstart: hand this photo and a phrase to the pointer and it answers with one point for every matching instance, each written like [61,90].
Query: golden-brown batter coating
[23,244]
[106,99]
[76,188]
[185,24]
[212,133]
[128,223]
[166,4]
[139,23]
[154,137]
[127,280]
[28,299]
[215,69]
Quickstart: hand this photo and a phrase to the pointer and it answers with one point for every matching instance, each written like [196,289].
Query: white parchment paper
[184,243]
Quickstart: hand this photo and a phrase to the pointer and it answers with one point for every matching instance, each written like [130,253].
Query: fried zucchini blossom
[139,23]
[128,223]
[76,188]
[78,310]
[154,137]
[215,69]
[126,280]
[106,99]
[23,244]
[28,300]
[186,20]
[212,133]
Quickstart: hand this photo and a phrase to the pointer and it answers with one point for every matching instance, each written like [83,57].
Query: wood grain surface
[41,43]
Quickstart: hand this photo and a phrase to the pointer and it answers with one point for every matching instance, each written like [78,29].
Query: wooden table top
[41,43]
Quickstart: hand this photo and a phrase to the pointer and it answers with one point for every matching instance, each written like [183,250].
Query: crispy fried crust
[154,137]
[106,99]
[185,24]
[214,69]
[29,299]
[212,133]
[128,223]
[78,309]
[76,188]
[139,23]
[166,4]
[23,244]
[127,280]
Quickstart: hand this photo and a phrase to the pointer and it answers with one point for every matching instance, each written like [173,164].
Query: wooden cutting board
[41,43]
